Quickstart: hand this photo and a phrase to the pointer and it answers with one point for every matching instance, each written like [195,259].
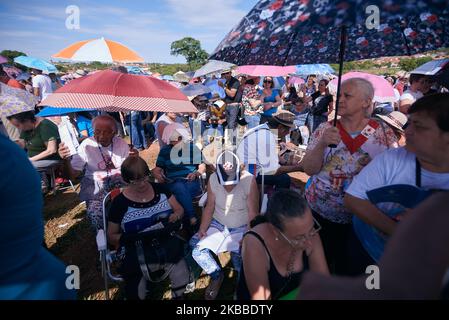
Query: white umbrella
[213,66]
[181,76]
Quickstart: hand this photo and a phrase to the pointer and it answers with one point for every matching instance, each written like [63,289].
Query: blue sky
[148,27]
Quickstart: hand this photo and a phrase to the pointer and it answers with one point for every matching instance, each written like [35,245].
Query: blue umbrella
[195,89]
[392,201]
[135,70]
[277,81]
[23,76]
[36,63]
[190,74]
[320,68]
[212,84]
[52,111]
[168,78]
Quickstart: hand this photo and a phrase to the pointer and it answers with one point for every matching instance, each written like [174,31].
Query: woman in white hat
[232,202]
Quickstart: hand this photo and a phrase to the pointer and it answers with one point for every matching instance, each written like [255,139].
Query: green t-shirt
[35,139]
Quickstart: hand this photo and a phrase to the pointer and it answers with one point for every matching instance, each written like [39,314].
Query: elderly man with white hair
[358,139]
[100,158]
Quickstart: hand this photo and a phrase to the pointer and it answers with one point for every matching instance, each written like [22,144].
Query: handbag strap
[144,267]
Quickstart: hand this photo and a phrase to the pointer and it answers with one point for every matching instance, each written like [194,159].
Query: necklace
[140,197]
[108,164]
[291,261]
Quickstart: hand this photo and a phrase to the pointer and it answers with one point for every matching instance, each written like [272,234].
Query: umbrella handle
[343,39]
[123,123]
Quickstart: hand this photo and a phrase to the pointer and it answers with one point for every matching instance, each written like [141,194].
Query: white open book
[220,241]
[68,135]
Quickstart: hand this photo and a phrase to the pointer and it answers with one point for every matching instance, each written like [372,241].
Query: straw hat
[285,118]
[219,104]
[395,119]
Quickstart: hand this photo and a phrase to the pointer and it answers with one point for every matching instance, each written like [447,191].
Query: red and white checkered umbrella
[114,91]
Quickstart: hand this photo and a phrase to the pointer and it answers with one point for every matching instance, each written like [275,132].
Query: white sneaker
[142,289]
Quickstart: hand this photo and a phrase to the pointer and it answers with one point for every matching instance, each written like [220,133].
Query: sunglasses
[267,81]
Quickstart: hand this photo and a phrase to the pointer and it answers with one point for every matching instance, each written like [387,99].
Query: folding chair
[107,256]
[254,169]
[203,185]
[51,170]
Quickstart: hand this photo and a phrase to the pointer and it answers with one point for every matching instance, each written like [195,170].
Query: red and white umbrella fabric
[114,91]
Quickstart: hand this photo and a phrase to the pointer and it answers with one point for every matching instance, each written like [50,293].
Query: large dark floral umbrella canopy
[290,32]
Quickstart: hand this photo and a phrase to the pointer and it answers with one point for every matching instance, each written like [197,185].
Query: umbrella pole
[123,126]
[130,131]
[341,58]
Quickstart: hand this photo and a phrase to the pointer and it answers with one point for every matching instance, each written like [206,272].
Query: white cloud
[28,34]
[52,12]
[4,15]
[101,11]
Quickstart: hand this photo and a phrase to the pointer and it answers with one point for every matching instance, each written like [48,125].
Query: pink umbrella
[272,71]
[3,59]
[296,80]
[383,90]
[115,91]
[11,71]
[179,128]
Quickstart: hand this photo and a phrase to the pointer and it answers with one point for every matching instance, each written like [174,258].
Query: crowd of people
[261,131]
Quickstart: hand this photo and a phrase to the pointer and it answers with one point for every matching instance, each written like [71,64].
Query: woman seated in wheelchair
[179,166]
[144,218]
[232,202]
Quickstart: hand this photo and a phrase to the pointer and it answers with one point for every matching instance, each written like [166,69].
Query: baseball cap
[228,168]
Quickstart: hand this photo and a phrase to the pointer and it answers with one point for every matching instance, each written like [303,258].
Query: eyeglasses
[267,81]
[137,181]
[301,240]
[98,132]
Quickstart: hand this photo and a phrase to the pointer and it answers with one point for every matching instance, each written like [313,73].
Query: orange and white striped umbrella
[101,50]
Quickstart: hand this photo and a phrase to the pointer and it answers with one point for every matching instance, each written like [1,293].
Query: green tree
[413,63]
[11,54]
[191,49]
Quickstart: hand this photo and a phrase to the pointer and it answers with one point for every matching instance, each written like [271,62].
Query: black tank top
[279,285]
